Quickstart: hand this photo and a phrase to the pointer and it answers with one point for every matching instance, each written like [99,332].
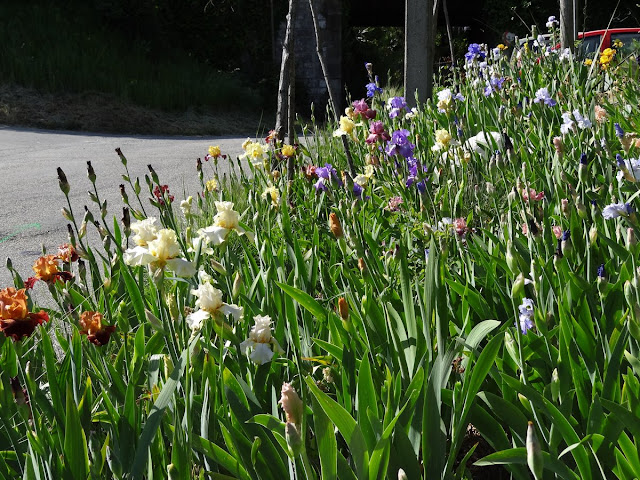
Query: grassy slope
[88,78]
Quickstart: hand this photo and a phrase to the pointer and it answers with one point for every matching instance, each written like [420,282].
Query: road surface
[31,200]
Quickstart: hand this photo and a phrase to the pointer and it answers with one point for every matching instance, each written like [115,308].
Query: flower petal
[261,354]
[137,256]
[181,267]
[195,319]
[214,234]
[234,310]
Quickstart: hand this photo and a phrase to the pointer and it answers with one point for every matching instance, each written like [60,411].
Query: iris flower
[226,219]
[526,315]
[616,210]
[16,321]
[159,253]
[261,341]
[92,327]
[210,304]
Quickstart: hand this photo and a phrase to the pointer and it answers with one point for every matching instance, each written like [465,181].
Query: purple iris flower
[323,172]
[474,52]
[399,144]
[526,316]
[421,186]
[543,95]
[413,166]
[496,82]
[566,235]
[320,186]
[397,104]
[583,159]
[619,131]
[601,271]
[357,190]
[372,89]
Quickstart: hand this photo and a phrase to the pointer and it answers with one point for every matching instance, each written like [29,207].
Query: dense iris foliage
[436,292]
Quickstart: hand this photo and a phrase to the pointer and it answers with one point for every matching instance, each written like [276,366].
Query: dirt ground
[97,112]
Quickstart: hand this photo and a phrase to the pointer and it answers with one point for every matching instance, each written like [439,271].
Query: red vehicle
[603,39]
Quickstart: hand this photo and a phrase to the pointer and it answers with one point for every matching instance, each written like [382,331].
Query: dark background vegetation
[174,55]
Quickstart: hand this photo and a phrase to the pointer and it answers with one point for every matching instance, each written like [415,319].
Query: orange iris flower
[91,324]
[15,319]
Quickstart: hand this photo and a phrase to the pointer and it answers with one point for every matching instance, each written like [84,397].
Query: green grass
[54,50]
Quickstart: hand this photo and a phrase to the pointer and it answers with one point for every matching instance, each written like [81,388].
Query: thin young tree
[286,86]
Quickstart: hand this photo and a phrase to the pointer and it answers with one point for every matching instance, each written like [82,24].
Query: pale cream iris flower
[159,253]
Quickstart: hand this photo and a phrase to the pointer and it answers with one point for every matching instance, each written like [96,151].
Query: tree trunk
[567,26]
[286,70]
[419,43]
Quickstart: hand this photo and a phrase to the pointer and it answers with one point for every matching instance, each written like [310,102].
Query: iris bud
[535,460]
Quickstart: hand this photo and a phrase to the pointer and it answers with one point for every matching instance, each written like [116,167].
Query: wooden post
[567,26]
[418,50]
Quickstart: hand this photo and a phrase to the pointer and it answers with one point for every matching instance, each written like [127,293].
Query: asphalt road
[31,200]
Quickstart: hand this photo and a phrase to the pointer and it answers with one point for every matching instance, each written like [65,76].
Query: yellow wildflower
[606,57]
[588,62]
[502,46]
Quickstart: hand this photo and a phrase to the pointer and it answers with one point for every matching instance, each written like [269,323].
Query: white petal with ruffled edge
[234,310]
[247,344]
[181,267]
[137,256]
[195,319]
[215,235]
[261,353]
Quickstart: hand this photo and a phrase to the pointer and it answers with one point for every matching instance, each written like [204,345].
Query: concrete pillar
[418,50]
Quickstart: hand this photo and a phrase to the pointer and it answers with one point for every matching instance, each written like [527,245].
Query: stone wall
[311,86]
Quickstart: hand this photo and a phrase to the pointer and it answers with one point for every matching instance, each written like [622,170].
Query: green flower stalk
[294,440]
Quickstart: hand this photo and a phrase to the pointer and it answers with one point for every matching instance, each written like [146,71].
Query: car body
[600,40]
[596,40]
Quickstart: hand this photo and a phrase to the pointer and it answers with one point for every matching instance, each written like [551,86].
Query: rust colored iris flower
[67,253]
[15,319]
[91,324]
[47,269]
